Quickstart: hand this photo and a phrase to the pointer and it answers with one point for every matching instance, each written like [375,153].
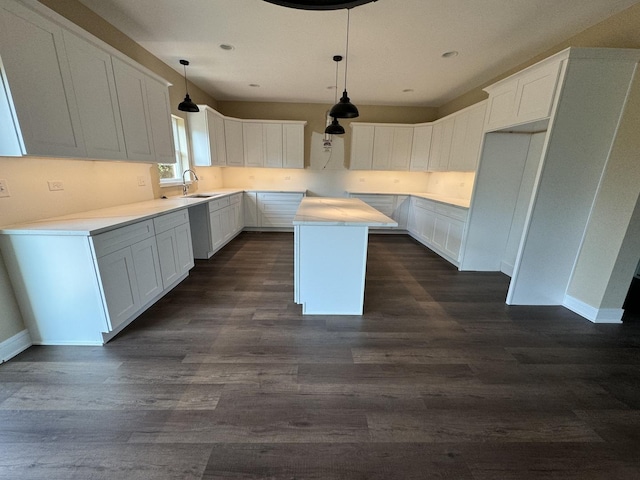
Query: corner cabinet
[65,93]
[271,210]
[438,226]
[222,141]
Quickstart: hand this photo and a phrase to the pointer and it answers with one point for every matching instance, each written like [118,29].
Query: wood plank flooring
[225,379]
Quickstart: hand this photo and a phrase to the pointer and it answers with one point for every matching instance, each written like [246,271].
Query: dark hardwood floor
[225,379]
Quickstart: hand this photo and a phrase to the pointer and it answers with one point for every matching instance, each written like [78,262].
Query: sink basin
[201,195]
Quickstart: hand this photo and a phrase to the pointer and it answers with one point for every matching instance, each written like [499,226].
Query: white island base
[330,257]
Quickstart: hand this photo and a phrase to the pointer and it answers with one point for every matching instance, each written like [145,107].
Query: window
[171,173]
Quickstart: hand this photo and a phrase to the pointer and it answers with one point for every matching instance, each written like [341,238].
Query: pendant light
[344,108]
[187,105]
[320,4]
[335,128]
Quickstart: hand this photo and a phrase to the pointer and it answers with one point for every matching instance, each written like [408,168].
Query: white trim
[593,314]
[12,346]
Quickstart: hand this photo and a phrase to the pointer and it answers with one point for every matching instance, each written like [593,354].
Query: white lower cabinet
[277,209]
[216,224]
[438,226]
[394,206]
[84,289]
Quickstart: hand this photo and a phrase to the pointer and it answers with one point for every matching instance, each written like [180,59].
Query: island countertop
[340,211]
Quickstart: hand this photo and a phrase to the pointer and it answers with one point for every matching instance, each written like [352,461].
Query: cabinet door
[458,142]
[293,141]
[420,148]
[184,248]
[234,142]
[401,150]
[236,218]
[160,120]
[535,93]
[454,239]
[147,267]
[217,225]
[440,231]
[119,285]
[473,141]
[428,226]
[168,254]
[34,63]
[441,145]
[253,138]
[382,148]
[501,105]
[133,103]
[273,148]
[362,147]
[95,91]
[217,137]
[250,209]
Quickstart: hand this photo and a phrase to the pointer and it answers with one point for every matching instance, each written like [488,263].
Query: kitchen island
[330,257]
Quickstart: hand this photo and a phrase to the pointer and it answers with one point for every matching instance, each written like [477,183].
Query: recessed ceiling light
[255,85]
[450,54]
[226,46]
[407,90]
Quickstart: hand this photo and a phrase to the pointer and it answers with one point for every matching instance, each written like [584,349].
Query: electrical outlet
[361,179]
[55,185]
[141,181]
[251,177]
[395,180]
[4,188]
[287,177]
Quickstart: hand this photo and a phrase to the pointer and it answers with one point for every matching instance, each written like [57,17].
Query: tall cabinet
[549,134]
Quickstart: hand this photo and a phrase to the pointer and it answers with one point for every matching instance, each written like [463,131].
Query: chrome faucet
[185,187]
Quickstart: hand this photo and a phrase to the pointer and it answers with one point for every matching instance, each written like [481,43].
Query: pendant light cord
[336,89]
[346,55]
[186,89]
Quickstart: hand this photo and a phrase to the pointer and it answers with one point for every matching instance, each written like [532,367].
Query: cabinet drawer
[119,238]
[426,204]
[235,198]
[218,204]
[452,212]
[382,203]
[283,197]
[170,220]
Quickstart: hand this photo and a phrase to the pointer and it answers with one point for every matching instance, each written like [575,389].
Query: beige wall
[619,31]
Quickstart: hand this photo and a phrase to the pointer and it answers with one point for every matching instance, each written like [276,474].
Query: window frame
[182,152]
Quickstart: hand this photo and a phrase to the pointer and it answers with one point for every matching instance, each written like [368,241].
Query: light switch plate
[4,188]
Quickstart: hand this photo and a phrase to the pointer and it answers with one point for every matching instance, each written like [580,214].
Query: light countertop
[93,222]
[455,201]
[340,211]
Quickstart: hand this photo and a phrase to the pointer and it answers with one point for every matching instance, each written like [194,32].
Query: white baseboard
[593,314]
[14,345]
[506,268]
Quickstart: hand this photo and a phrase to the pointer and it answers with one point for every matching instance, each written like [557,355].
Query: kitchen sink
[202,195]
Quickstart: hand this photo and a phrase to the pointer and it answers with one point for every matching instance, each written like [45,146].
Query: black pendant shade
[344,108]
[334,128]
[320,4]
[187,105]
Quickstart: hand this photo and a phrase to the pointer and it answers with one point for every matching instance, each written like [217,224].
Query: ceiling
[395,46]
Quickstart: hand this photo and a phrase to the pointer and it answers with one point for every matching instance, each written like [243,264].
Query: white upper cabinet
[392,148]
[234,143]
[65,93]
[381,147]
[293,143]
[361,147]
[95,92]
[206,129]
[442,136]
[273,147]
[160,117]
[467,138]
[524,97]
[37,86]
[420,148]
[253,141]
[132,99]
